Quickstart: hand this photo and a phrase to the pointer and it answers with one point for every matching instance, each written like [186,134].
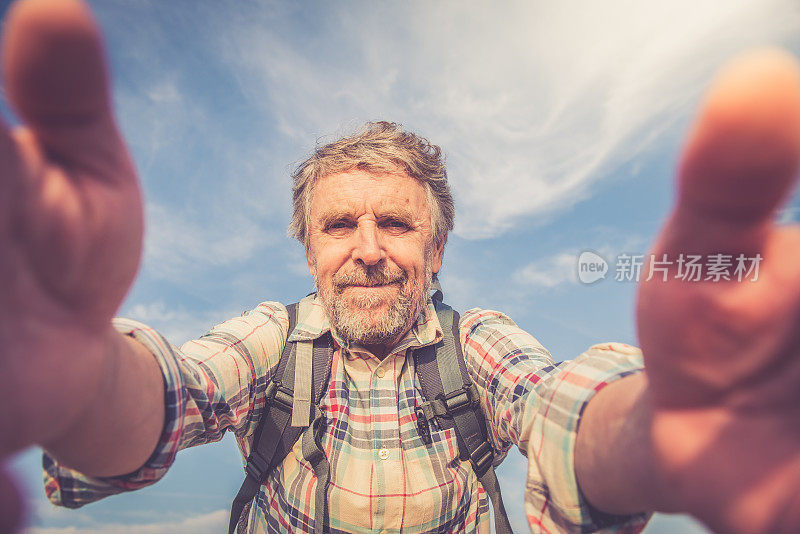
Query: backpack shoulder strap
[452,398]
[275,436]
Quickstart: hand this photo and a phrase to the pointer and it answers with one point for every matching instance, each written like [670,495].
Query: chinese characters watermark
[687,267]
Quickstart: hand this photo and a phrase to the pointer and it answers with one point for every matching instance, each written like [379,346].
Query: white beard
[359,318]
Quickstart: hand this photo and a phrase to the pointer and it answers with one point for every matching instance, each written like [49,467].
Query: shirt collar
[313,322]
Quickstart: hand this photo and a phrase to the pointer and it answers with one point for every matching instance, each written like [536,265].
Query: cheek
[327,260]
[413,262]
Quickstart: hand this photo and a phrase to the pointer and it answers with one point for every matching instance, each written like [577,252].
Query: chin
[367,303]
[373,315]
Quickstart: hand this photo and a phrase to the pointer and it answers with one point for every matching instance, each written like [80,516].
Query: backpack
[450,397]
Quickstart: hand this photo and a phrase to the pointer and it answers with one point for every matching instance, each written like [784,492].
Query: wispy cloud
[534,102]
[211,523]
[44,512]
[179,242]
[550,271]
[561,267]
[177,324]
[296,262]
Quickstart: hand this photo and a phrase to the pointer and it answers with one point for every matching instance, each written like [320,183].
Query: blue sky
[561,122]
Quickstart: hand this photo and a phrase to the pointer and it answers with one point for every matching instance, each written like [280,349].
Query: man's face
[371,252]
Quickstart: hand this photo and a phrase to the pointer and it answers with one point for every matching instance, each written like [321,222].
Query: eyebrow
[334,214]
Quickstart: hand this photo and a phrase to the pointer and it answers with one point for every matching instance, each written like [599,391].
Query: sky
[562,123]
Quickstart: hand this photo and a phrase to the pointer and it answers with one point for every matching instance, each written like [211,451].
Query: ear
[311,263]
[438,254]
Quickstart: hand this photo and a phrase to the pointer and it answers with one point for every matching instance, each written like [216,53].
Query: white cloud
[549,272]
[561,267]
[46,512]
[211,523]
[534,102]
[177,324]
[178,242]
[296,262]
[164,91]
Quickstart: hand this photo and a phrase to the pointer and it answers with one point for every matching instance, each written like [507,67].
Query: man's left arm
[536,404]
[614,463]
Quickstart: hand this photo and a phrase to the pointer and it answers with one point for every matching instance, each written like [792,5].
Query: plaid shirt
[384,477]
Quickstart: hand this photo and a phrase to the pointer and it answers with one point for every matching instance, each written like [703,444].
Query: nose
[368,249]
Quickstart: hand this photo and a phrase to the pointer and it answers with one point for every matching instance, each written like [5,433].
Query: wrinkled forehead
[357,192]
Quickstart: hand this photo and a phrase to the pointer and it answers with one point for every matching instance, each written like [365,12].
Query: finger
[56,79]
[742,156]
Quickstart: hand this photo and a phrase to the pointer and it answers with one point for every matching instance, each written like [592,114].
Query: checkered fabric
[384,477]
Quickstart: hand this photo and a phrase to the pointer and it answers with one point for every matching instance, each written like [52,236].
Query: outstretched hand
[723,357]
[70,220]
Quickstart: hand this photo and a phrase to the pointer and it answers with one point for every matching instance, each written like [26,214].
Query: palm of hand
[70,216]
[723,357]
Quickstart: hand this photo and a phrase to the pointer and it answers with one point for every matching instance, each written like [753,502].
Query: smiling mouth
[371,286]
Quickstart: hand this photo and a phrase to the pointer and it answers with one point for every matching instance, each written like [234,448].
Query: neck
[380,351]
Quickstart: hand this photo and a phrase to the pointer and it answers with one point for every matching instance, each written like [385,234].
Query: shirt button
[383,453]
[380,372]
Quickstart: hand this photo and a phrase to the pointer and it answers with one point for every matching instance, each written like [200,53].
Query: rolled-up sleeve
[536,404]
[212,385]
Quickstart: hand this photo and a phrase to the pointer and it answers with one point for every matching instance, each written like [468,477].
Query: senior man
[709,428]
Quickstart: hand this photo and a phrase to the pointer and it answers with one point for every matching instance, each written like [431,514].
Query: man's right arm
[198,392]
[119,429]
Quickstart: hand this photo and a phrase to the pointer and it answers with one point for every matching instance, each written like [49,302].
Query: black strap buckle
[466,398]
[256,466]
[279,396]
[482,458]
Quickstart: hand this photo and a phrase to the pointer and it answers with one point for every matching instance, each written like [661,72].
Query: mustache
[369,276]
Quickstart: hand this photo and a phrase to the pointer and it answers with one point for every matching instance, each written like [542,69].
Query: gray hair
[380,147]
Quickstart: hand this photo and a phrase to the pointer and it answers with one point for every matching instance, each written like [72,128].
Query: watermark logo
[591,267]
[687,267]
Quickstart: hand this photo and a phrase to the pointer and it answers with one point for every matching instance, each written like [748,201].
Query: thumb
[56,79]
[742,156]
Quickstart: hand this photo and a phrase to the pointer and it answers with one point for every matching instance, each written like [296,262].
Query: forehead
[357,191]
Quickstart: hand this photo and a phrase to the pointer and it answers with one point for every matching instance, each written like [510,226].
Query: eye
[395,224]
[337,226]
